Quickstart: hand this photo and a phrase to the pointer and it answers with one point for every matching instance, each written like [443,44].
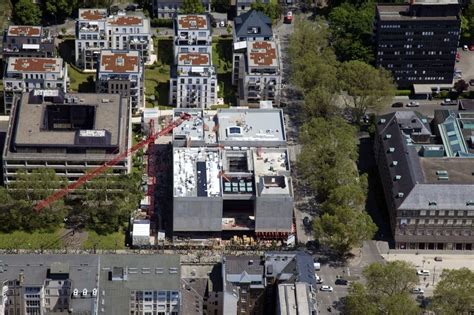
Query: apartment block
[426,172]
[70,133]
[232,175]
[417,42]
[23,74]
[122,72]
[193,82]
[256,61]
[27,41]
[167,9]
[95,30]
[274,283]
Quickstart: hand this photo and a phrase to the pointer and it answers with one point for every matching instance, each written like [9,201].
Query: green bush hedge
[155,22]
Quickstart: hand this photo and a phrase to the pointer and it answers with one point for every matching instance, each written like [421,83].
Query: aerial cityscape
[237,157]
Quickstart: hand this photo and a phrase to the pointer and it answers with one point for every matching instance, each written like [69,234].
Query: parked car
[319,280]
[417,291]
[423,272]
[326,288]
[289,17]
[306,221]
[413,104]
[342,282]
[438,258]
[448,101]
[465,47]
[397,104]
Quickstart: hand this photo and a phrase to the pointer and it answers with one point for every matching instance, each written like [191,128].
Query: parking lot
[466,64]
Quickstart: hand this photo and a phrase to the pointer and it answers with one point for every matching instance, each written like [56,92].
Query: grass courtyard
[32,241]
[81,82]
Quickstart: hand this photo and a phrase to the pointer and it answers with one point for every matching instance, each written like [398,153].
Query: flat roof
[92,14]
[272,171]
[119,62]
[126,20]
[22,30]
[196,172]
[260,125]
[29,119]
[194,59]
[262,54]
[459,170]
[201,126]
[399,12]
[192,22]
[30,64]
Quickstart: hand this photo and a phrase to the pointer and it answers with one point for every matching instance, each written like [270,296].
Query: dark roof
[290,267]
[193,292]
[466,104]
[253,20]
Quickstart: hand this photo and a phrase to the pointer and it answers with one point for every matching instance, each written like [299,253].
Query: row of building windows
[437,213]
[435,232]
[436,221]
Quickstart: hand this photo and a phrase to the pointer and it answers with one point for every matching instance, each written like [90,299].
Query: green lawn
[108,242]
[35,240]
[222,60]
[157,83]
[81,82]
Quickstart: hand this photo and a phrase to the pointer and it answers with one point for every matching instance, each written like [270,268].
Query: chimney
[21,278]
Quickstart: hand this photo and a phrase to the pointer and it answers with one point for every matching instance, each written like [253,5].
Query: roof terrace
[192,22]
[16,30]
[92,14]
[30,64]
[119,62]
[262,54]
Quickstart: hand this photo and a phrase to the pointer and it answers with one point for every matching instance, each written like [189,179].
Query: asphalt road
[426,107]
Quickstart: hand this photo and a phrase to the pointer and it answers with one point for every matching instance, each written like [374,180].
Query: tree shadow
[165,51]
[229,90]
[87,86]
[163,93]
[66,50]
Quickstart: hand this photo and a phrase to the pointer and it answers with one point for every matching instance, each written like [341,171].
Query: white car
[326,288]
[423,272]
[413,104]
[319,280]
[418,291]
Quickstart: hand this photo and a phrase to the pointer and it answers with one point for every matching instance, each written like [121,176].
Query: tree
[221,6]
[319,102]
[27,13]
[192,7]
[351,27]
[271,9]
[454,293]
[59,10]
[365,87]
[461,86]
[352,196]
[467,23]
[387,290]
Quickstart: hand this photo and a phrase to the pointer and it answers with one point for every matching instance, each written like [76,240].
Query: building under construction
[70,133]
[231,175]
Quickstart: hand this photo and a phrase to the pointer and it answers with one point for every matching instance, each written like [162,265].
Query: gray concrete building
[122,72]
[426,172]
[70,133]
[24,74]
[27,41]
[232,175]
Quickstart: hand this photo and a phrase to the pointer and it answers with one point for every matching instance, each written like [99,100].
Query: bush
[155,22]
[403,93]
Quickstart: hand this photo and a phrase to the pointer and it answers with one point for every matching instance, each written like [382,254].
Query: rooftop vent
[84,292]
[443,177]
[391,150]
[94,292]
[120,61]
[388,136]
[250,262]
[75,292]
[398,177]
[442,172]
[470,203]
[400,195]
[432,203]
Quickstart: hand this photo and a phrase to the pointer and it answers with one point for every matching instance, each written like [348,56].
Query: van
[317,266]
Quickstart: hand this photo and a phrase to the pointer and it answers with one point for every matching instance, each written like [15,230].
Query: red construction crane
[83,179]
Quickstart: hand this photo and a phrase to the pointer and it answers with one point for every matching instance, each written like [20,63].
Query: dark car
[397,104]
[471,82]
[342,282]
[306,221]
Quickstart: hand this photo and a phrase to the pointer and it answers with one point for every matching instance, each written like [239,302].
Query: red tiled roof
[192,22]
[119,62]
[35,64]
[24,31]
[126,20]
[262,53]
[93,15]
[194,59]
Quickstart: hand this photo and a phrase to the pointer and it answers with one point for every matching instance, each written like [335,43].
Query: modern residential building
[49,284]
[257,73]
[23,74]
[91,37]
[417,42]
[243,6]
[122,72]
[426,172]
[256,60]
[27,41]
[193,82]
[95,30]
[232,175]
[140,284]
[167,9]
[275,283]
[70,133]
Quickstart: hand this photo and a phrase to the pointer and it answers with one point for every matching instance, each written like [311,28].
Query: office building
[122,72]
[49,284]
[417,42]
[95,30]
[27,41]
[23,74]
[70,133]
[167,9]
[193,82]
[426,173]
[232,175]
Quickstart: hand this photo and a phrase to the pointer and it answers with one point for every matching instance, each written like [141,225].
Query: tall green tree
[59,10]
[365,87]
[192,7]
[27,13]
[467,23]
[454,293]
[221,6]
[387,290]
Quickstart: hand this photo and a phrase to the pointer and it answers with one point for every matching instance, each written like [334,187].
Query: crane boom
[83,179]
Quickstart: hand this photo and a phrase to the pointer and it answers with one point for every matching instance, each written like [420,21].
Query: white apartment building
[90,37]
[121,72]
[96,31]
[28,73]
[193,81]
